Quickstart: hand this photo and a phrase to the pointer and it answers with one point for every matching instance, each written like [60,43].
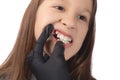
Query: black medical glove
[55,68]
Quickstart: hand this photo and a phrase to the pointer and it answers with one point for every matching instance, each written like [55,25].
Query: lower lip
[65,45]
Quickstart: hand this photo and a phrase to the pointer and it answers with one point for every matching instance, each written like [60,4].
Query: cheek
[41,21]
[80,37]
[37,32]
[39,26]
[78,41]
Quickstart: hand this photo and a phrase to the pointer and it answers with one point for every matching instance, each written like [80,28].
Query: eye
[59,8]
[82,18]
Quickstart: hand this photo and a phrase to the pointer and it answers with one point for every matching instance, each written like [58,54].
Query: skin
[70,17]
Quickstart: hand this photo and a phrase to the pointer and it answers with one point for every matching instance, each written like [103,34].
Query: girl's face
[70,19]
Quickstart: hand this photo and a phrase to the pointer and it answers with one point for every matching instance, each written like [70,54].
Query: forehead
[88,2]
[78,4]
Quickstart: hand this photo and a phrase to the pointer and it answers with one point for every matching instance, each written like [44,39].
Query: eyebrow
[88,11]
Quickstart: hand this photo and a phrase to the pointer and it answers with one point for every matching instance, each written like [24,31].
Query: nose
[69,21]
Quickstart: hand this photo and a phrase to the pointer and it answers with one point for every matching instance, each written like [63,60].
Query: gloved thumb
[58,51]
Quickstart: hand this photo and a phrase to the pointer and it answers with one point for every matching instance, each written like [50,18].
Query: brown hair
[14,66]
[82,60]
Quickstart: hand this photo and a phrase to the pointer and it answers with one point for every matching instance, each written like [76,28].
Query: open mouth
[61,36]
[57,35]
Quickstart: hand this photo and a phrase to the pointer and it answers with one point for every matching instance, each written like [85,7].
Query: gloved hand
[55,68]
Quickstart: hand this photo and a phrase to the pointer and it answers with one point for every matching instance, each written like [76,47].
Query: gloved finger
[42,39]
[58,51]
[29,58]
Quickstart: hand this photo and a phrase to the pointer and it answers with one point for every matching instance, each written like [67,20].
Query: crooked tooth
[56,32]
[58,35]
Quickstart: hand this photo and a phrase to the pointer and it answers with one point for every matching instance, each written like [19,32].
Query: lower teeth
[65,42]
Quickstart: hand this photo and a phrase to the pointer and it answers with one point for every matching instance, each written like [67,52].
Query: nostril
[70,23]
[63,23]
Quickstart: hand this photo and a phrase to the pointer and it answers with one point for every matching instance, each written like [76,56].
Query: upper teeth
[63,38]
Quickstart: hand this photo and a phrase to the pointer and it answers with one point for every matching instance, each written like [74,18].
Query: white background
[106,55]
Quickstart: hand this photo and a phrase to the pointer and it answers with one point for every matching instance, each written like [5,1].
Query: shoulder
[3,78]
